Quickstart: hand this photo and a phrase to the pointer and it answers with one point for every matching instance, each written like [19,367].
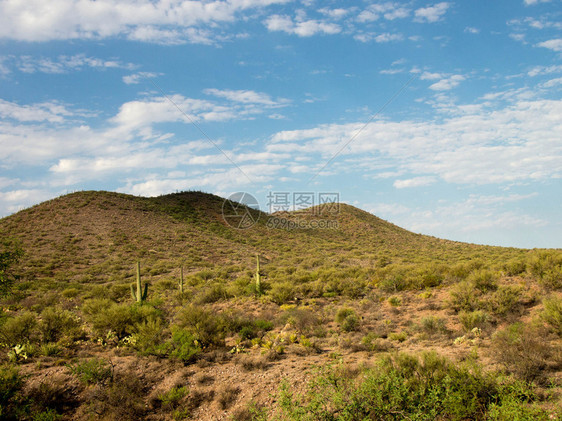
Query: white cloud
[387,10]
[63,63]
[432,13]
[544,70]
[135,78]
[379,38]
[154,21]
[447,83]
[246,97]
[532,2]
[52,112]
[519,142]
[552,44]
[414,182]
[300,27]
[471,30]
[337,14]
[552,83]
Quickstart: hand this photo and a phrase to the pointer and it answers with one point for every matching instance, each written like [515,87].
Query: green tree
[10,254]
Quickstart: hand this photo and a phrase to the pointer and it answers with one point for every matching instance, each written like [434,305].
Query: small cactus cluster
[140,295]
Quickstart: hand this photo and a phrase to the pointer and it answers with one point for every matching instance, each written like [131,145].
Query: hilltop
[339,288]
[91,234]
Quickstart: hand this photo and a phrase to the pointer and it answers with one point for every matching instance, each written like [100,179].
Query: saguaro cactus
[181,280]
[140,295]
[258,275]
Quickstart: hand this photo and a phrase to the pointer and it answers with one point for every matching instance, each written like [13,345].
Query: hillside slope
[342,295]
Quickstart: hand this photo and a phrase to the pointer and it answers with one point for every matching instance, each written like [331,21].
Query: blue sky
[463,101]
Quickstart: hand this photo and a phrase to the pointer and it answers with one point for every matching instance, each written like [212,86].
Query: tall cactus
[258,275]
[140,295]
[181,280]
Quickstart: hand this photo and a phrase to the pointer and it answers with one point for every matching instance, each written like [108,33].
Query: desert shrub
[208,328]
[523,351]
[432,325]
[48,415]
[395,301]
[463,297]
[347,319]
[121,319]
[70,292]
[505,299]
[10,254]
[251,362]
[515,267]
[392,279]
[398,336]
[54,393]
[149,337]
[425,387]
[183,345]
[280,293]
[10,384]
[546,267]
[428,276]
[93,371]
[227,396]
[255,328]
[173,397]
[18,330]
[119,291]
[212,294]
[122,399]
[471,319]
[56,323]
[552,313]
[302,319]
[483,280]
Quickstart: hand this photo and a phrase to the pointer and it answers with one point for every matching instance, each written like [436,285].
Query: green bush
[546,267]
[281,293]
[432,325]
[56,323]
[184,346]
[523,351]
[483,280]
[18,330]
[429,276]
[552,313]
[464,297]
[10,384]
[10,254]
[505,299]
[173,397]
[515,267]
[425,387]
[212,294]
[209,329]
[471,319]
[347,319]
[93,371]
[121,319]
[395,301]
[149,337]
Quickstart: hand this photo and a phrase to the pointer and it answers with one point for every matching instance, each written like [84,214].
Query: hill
[337,286]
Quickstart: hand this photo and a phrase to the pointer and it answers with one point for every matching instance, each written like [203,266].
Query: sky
[444,118]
